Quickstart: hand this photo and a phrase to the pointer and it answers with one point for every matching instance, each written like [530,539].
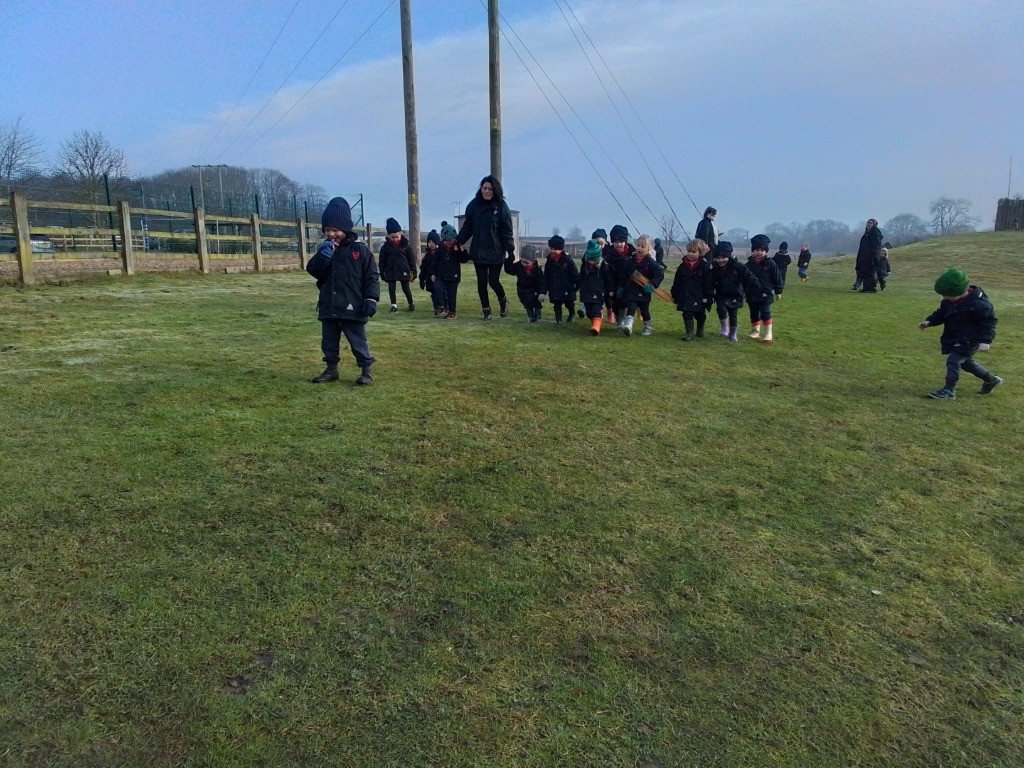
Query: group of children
[613,281]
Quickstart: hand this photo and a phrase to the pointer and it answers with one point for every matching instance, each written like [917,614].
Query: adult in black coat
[868,254]
[488,224]
[706,228]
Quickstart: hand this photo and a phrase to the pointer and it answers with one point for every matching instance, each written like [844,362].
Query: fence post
[201,246]
[303,242]
[127,247]
[19,207]
[369,237]
[257,246]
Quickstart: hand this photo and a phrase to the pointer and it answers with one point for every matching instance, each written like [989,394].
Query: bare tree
[19,152]
[575,233]
[84,160]
[556,231]
[905,228]
[670,233]
[952,215]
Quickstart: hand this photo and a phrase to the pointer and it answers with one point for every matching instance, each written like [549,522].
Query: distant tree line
[87,166]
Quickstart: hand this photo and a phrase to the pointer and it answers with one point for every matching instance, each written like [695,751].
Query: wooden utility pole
[412,163]
[495,81]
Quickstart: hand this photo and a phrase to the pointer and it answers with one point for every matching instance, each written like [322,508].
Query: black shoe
[487,313]
[412,307]
[365,378]
[394,309]
[330,374]
[988,386]
[503,311]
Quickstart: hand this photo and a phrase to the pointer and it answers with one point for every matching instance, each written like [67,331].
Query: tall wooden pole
[412,163]
[495,81]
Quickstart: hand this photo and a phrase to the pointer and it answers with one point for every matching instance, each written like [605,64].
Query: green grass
[522,546]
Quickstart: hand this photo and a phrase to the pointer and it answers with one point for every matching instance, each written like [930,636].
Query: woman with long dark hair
[488,223]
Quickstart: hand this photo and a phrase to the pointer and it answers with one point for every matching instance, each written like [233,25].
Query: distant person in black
[803,261]
[488,223]
[868,254]
[706,230]
[782,260]
[659,251]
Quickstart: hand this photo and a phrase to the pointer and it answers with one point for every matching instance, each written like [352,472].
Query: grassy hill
[522,546]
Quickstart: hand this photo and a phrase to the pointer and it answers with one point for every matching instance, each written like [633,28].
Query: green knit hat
[593,252]
[952,282]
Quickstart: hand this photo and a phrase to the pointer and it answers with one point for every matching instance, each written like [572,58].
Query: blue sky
[784,110]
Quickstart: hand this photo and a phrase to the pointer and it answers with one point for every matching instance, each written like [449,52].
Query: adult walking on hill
[706,229]
[868,254]
[488,224]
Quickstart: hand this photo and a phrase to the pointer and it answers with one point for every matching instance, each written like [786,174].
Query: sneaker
[988,386]
[394,309]
[452,316]
[439,312]
[503,312]
[487,313]
[412,306]
[943,394]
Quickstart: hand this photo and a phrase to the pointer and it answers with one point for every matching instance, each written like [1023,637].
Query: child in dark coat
[692,288]
[349,284]
[618,255]
[969,322]
[397,264]
[803,261]
[782,260]
[764,289]
[560,272]
[636,296]
[595,285]
[530,282]
[448,271]
[730,280]
[428,270]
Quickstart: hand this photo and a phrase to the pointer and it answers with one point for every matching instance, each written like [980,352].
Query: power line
[325,74]
[577,116]
[635,112]
[247,85]
[625,125]
[286,78]
[566,126]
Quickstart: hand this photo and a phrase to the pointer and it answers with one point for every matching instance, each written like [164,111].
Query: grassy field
[522,546]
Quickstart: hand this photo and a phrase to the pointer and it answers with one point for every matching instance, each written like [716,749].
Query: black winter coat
[731,282]
[766,282]
[346,280]
[968,323]
[561,278]
[489,225]
[595,283]
[647,267]
[428,268]
[706,232]
[693,288]
[396,261]
[869,251]
[803,259]
[532,281]
[448,266]
[617,263]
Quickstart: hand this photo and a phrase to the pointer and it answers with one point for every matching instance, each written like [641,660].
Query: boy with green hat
[596,285]
[970,326]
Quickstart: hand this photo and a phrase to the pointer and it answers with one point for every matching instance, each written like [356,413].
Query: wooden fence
[126,236]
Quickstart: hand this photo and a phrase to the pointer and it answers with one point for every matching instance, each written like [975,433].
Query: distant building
[1010,214]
